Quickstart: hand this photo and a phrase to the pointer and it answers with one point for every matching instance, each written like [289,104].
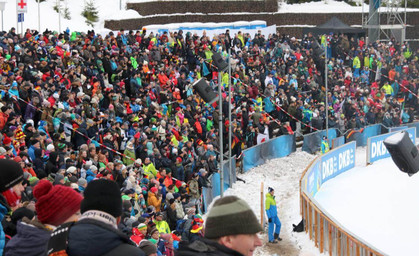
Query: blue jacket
[270,206]
[3,211]
[29,240]
[31,153]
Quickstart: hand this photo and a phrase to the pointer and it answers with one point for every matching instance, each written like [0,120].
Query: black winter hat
[10,174]
[102,195]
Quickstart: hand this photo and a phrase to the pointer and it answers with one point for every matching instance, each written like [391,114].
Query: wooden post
[261,204]
[347,245]
[330,239]
[321,234]
[357,249]
[305,215]
[309,223]
[339,243]
[316,229]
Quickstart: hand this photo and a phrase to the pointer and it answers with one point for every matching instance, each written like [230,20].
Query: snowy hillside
[110,9]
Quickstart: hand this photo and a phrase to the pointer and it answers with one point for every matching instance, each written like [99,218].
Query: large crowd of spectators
[77,107]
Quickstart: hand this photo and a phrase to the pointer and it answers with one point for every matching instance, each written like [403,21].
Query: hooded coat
[52,164]
[31,239]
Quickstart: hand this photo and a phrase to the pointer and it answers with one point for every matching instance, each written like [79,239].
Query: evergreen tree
[90,12]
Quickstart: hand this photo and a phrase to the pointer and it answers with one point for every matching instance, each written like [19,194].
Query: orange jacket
[152,200]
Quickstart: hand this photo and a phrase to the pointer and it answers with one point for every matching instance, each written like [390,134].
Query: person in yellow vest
[356,65]
[161,225]
[388,88]
[325,145]
[149,168]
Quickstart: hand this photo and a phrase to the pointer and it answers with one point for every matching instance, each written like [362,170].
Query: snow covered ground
[282,174]
[379,203]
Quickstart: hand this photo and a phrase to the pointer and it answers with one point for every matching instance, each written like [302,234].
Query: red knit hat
[55,204]
[7,140]
[153,190]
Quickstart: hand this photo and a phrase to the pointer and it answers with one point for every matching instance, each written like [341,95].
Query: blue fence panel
[337,142]
[361,136]
[400,128]
[252,158]
[278,147]
[416,125]
[369,131]
[215,181]
[376,149]
[312,141]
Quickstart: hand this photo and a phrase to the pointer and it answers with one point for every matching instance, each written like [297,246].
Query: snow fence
[327,233]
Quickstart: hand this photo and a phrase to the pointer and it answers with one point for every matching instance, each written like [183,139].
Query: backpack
[299,227]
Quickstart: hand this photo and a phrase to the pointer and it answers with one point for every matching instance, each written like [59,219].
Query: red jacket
[137,236]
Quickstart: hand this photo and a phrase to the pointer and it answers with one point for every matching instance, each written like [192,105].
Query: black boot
[273,242]
[276,237]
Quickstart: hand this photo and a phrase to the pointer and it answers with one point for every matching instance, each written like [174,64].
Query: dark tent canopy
[336,26]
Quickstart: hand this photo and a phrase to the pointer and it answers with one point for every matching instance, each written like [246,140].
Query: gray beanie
[82,182]
[147,247]
[231,215]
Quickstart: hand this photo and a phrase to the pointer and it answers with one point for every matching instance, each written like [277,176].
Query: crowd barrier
[361,135]
[376,149]
[312,141]
[277,147]
[396,129]
[416,125]
[327,233]
[337,142]
[209,193]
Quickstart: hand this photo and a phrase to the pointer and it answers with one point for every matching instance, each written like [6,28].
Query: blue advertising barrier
[376,149]
[312,141]
[329,166]
[416,125]
[278,147]
[400,128]
[337,142]
[208,194]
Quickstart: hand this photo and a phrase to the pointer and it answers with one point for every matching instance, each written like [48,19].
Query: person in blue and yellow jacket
[272,213]
[325,145]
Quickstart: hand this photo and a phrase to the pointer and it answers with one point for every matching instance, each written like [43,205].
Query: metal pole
[2,21]
[17,21]
[120,4]
[21,26]
[39,17]
[229,117]
[59,17]
[220,133]
[325,83]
